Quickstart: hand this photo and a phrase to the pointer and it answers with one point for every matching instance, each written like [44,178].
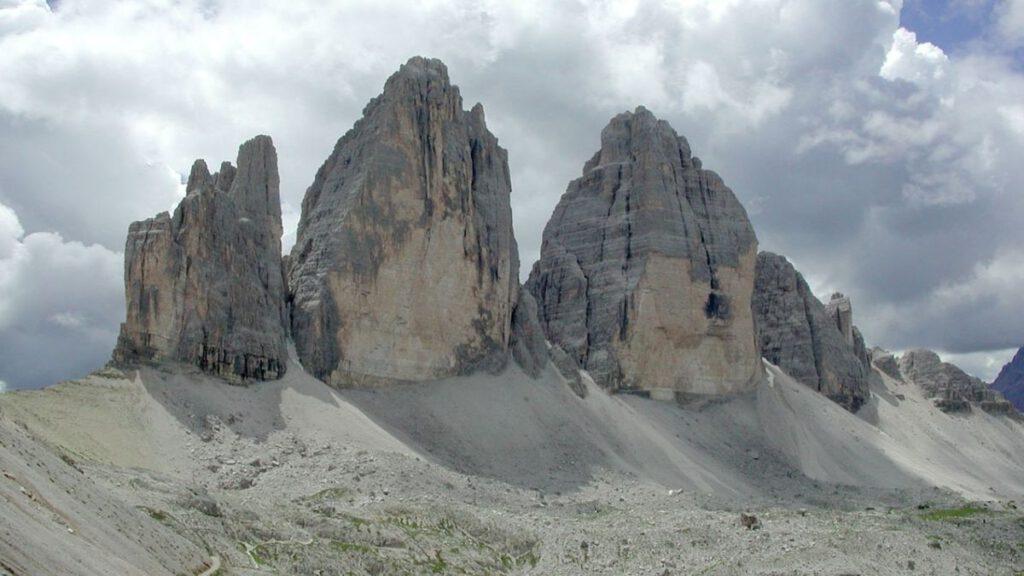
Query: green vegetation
[954,513]
[158,515]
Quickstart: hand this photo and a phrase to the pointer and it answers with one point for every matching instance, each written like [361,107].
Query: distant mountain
[1011,380]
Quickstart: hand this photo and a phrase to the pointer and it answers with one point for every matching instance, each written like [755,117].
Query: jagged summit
[405,267]
[205,286]
[647,268]
[952,389]
[1010,381]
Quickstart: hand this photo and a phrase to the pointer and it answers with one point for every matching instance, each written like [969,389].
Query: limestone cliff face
[405,266]
[647,268]
[814,344]
[205,285]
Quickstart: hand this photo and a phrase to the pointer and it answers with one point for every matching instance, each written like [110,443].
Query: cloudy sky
[879,144]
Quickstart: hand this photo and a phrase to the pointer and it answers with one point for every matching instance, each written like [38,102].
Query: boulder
[405,267]
[647,268]
[797,333]
[205,286]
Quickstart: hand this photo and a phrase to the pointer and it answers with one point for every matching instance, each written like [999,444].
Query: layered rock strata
[405,266]
[840,309]
[806,338]
[647,268]
[952,389]
[205,285]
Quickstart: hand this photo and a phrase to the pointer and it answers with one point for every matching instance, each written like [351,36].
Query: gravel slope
[497,474]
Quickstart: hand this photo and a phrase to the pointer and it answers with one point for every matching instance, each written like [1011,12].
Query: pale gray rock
[647,268]
[799,334]
[205,286]
[953,389]
[569,370]
[529,348]
[840,309]
[405,266]
[886,362]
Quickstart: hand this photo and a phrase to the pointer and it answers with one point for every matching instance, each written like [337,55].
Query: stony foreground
[172,472]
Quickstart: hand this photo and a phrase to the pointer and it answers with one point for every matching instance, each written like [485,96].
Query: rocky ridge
[814,343]
[952,389]
[205,286]
[405,266]
[1010,382]
[647,268]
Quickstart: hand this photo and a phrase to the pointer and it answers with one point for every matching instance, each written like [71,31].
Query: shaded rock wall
[205,285]
[1010,382]
[803,337]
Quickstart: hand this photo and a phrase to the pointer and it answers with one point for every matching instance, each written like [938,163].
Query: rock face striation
[953,389]
[813,343]
[647,268]
[1010,382]
[840,309]
[405,266]
[205,285]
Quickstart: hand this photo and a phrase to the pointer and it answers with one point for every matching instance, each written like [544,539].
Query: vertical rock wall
[205,285]
[405,267]
[805,338]
[647,268]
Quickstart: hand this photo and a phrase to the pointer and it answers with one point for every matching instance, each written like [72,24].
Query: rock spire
[647,268]
[405,266]
[205,285]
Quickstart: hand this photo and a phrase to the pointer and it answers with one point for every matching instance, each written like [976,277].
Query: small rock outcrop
[805,338]
[840,309]
[529,348]
[1010,382]
[952,389]
[647,268]
[405,266]
[205,285]
[886,362]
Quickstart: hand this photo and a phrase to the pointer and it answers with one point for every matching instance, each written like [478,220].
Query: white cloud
[884,166]
[60,305]
[912,61]
[984,365]
[1011,21]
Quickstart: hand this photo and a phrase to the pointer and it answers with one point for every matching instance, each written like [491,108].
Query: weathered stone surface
[840,309]
[405,265]
[886,362]
[800,335]
[953,389]
[205,286]
[529,348]
[647,268]
[1010,382]
[569,370]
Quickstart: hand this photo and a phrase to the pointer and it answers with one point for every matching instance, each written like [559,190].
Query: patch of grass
[158,515]
[353,547]
[954,513]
